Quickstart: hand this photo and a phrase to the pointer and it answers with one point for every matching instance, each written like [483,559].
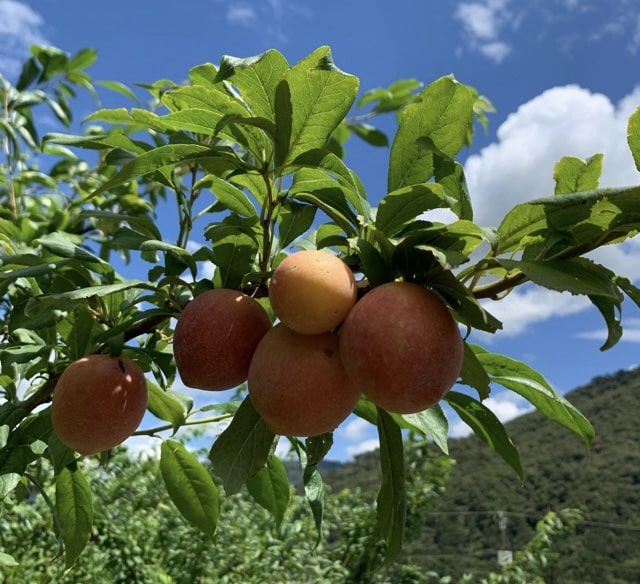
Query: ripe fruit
[215,337]
[312,291]
[297,383]
[401,347]
[98,402]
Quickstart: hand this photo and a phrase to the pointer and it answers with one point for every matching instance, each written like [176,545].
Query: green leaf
[377,268]
[403,206]
[118,87]
[67,300]
[525,381]
[231,197]
[311,100]
[486,426]
[578,276]
[190,486]
[316,187]
[392,496]
[74,508]
[294,219]
[369,134]
[430,422]
[234,253]
[573,175]
[473,373]
[164,406]
[256,79]
[443,114]
[633,136]
[61,245]
[159,158]
[269,487]
[242,449]
[7,560]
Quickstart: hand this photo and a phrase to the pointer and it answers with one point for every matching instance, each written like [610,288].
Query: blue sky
[562,75]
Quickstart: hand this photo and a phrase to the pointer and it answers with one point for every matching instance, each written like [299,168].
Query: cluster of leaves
[137,536]
[249,155]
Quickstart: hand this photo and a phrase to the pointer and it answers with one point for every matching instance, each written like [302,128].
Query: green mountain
[486,508]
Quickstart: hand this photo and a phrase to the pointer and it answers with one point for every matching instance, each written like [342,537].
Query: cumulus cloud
[562,121]
[20,27]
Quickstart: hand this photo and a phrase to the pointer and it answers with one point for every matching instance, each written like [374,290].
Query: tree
[249,155]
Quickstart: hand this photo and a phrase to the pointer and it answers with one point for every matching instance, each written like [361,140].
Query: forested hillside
[485,507]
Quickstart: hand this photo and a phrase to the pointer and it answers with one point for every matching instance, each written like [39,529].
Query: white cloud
[361,447]
[631,332]
[357,434]
[270,19]
[484,23]
[506,406]
[528,305]
[562,121]
[241,14]
[20,27]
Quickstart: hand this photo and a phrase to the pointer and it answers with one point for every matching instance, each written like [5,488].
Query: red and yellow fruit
[215,337]
[401,347]
[98,402]
[297,383]
[312,291]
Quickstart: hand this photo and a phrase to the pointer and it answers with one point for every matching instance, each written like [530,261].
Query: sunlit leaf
[573,175]
[311,100]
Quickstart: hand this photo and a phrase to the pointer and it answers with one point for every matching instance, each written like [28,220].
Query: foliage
[248,155]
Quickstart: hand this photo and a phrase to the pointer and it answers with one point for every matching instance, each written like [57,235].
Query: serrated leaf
[242,449]
[578,276]
[402,206]
[530,384]
[164,406]
[270,488]
[190,486]
[443,114]
[74,508]
[486,426]
[311,100]
[392,497]
[573,175]
[256,78]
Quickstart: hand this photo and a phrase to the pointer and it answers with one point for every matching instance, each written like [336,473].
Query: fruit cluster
[398,345]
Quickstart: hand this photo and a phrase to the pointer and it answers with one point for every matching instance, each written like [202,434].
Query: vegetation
[248,156]
[485,508]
